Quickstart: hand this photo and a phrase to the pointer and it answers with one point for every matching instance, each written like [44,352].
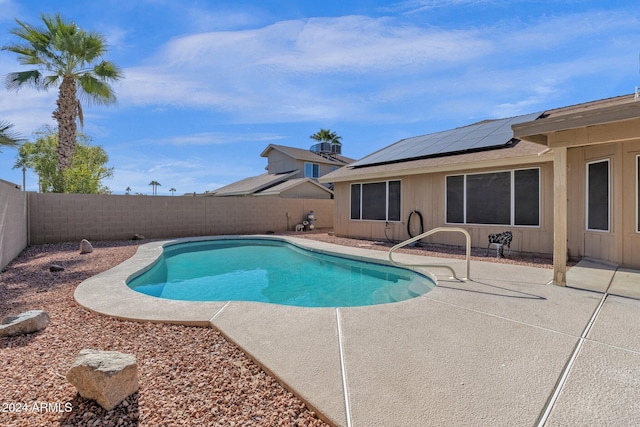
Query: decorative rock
[25,323]
[85,247]
[55,268]
[108,377]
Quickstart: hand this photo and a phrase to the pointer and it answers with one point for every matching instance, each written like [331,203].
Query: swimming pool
[274,271]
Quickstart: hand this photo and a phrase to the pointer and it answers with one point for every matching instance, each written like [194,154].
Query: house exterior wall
[72,217]
[13,222]
[306,191]
[426,194]
[621,244]
[279,162]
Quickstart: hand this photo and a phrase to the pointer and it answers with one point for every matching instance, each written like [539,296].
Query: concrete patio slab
[421,362]
[626,283]
[520,293]
[618,323]
[602,389]
[590,275]
[297,345]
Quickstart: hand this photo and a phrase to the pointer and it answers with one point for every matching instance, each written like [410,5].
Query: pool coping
[108,294]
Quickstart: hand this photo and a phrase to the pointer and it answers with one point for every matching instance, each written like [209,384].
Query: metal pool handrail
[428,233]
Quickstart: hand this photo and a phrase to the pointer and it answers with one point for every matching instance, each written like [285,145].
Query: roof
[309,156]
[616,109]
[290,184]
[252,184]
[488,134]
[522,152]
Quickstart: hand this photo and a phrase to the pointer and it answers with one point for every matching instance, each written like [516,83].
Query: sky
[208,85]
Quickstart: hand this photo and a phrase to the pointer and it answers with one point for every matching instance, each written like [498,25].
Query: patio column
[560,216]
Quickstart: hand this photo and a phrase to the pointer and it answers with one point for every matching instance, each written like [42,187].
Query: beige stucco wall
[13,222]
[426,194]
[72,217]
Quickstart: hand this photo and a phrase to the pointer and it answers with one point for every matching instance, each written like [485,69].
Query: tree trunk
[66,116]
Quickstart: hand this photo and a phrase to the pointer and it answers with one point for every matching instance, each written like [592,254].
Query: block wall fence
[13,222]
[72,217]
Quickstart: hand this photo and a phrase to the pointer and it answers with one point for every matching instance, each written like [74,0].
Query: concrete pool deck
[502,349]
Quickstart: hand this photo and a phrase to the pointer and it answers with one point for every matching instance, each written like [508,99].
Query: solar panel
[479,136]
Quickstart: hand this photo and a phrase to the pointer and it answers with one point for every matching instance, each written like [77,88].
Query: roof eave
[542,157]
[538,130]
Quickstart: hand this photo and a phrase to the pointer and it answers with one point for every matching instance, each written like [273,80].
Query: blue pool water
[273,271]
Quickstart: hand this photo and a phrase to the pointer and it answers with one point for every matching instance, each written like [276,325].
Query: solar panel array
[479,136]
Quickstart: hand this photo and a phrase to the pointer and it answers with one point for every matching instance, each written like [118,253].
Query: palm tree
[155,185]
[71,59]
[326,135]
[8,138]
[173,190]
[127,191]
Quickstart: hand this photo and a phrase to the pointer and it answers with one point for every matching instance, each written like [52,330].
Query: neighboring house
[291,173]
[581,162]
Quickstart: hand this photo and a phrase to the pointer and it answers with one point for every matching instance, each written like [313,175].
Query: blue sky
[209,84]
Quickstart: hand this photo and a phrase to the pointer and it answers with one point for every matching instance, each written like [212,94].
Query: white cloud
[212,138]
[350,44]
[364,68]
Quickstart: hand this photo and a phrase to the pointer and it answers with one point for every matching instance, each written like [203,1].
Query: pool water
[273,271]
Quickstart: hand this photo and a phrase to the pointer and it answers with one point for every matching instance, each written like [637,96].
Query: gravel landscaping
[188,375]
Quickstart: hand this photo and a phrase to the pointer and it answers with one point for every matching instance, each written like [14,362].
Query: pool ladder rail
[429,233]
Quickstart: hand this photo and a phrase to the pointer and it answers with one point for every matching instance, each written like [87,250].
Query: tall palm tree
[326,135]
[155,185]
[71,59]
[8,138]
[127,191]
[173,190]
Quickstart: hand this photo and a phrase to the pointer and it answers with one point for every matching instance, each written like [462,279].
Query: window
[455,199]
[489,198]
[311,170]
[527,197]
[501,198]
[376,201]
[598,195]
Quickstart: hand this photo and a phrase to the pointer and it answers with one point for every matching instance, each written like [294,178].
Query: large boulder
[25,323]
[85,247]
[108,377]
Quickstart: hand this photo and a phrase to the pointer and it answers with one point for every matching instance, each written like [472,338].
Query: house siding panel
[426,194]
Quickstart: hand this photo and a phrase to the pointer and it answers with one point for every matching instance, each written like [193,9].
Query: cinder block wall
[13,222]
[72,217]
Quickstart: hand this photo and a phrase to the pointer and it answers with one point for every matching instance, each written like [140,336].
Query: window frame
[512,195]
[586,198]
[315,170]
[387,201]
